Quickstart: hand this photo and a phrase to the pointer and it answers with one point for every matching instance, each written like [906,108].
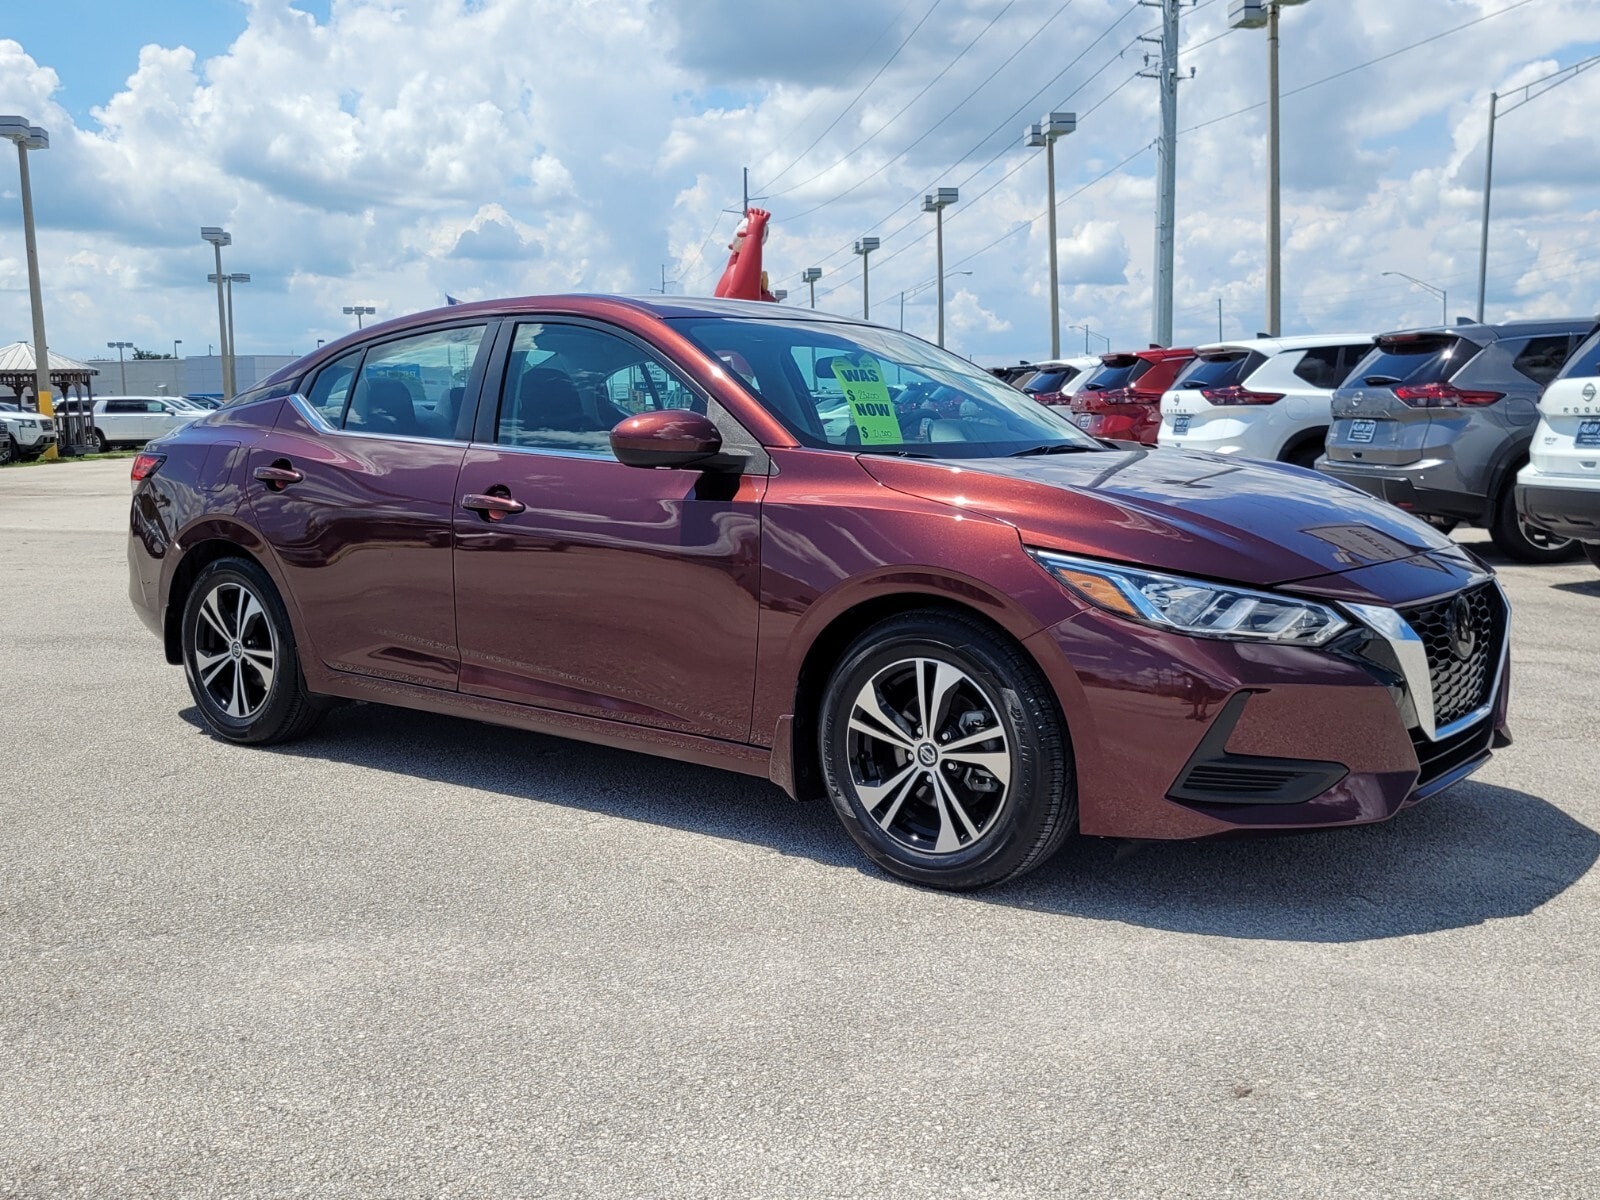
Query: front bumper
[1566,511]
[1177,737]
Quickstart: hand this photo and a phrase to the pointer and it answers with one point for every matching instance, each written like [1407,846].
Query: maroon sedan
[703,529]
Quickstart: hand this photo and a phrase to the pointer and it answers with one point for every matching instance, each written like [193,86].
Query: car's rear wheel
[97,442]
[944,753]
[1517,539]
[1305,454]
[240,658]
[1591,551]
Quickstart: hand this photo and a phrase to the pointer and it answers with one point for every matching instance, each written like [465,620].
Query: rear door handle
[278,477]
[492,508]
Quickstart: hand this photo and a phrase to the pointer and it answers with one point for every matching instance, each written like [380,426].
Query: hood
[1173,510]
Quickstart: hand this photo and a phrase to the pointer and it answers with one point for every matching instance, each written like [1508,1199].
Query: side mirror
[668,437]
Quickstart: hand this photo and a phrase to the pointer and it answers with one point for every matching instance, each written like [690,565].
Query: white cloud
[400,150]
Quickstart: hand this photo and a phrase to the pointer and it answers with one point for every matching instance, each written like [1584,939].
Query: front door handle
[491,507]
[278,476]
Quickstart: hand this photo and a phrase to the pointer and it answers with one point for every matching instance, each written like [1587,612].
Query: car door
[162,418]
[355,488]
[122,420]
[610,591]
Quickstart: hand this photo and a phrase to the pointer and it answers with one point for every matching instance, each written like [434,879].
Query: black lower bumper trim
[1213,776]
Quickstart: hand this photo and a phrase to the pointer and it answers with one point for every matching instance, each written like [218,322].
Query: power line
[1361,66]
[856,99]
[903,109]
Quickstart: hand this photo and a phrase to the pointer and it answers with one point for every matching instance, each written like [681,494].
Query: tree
[138,353]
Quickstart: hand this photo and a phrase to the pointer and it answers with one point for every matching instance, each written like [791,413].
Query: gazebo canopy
[18,357]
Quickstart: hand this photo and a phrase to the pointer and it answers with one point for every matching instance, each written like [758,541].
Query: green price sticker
[871,408]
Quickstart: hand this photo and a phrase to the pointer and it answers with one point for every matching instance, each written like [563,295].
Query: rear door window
[414,386]
[1541,358]
[1218,370]
[1413,359]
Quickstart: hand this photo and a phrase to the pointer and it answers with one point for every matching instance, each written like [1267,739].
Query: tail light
[146,465]
[1238,395]
[1052,398]
[1443,395]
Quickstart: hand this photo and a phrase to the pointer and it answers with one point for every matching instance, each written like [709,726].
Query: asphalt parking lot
[414,956]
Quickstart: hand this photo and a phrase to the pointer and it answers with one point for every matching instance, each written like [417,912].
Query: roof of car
[661,306]
[1278,345]
[1492,332]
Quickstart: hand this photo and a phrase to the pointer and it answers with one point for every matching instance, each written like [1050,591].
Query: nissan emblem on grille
[1458,628]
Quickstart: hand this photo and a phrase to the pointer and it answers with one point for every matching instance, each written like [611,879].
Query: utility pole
[1167,179]
[810,277]
[1274,177]
[1488,184]
[1219,318]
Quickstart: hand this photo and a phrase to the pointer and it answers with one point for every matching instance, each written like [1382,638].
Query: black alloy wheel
[944,753]
[1514,537]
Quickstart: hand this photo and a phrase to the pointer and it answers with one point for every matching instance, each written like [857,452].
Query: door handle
[491,507]
[278,476]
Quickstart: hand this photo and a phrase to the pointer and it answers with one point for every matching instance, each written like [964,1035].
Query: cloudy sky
[387,152]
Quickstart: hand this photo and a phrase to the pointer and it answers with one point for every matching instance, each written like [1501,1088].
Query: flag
[449,299]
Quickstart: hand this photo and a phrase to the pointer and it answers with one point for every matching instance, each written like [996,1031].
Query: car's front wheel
[1517,539]
[944,752]
[9,453]
[240,658]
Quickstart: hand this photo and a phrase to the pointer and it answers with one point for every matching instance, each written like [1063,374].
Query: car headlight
[1194,606]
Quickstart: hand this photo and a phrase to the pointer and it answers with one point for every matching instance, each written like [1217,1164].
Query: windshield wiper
[1053,448]
[893,453]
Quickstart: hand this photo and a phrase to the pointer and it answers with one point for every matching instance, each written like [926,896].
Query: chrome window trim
[321,424]
[1412,656]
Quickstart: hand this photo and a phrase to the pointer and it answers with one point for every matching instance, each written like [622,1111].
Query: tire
[98,444]
[1591,551]
[1304,455]
[245,681]
[1518,540]
[8,451]
[891,787]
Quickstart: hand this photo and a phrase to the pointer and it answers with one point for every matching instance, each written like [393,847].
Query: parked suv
[134,420]
[1559,490]
[24,435]
[1121,399]
[1439,420]
[1053,381]
[1266,398]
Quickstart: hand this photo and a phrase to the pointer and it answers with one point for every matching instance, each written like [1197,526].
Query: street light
[936,202]
[1256,14]
[358,310]
[176,342]
[122,367]
[921,287]
[864,247]
[1444,296]
[1055,125]
[780,295]
[32,137]
[810,276]
[1553,80]
[219,238]
[1088,333]
[233,346]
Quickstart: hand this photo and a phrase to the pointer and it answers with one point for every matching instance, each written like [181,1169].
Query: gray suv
[1438,421]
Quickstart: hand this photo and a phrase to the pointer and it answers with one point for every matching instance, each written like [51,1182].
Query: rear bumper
[1571,512]
[1399,486]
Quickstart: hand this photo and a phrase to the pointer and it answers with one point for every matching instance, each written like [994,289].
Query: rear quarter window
[1541,358]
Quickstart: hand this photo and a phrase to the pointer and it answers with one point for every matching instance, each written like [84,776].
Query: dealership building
[199,375]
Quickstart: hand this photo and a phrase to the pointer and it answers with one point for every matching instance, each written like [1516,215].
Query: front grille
[1436,759]
[1463,636]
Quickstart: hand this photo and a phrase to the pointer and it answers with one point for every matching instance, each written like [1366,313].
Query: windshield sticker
[867,396]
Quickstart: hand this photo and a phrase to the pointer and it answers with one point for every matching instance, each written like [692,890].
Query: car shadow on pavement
[1585,587]
[1477,853]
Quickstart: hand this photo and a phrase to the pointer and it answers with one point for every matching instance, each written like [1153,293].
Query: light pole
[864,247]
[921,287]
[32,137]
[219,237]
[810,276]
[359,310]
[1088,333]
[1444,296]
[1254,14]
[1553,80]
[176,342]
[230,280]
[936,202]
[780,295]
[1055,125]
[122,367]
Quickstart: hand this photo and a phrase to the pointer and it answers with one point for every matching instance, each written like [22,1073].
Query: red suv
[1122,400]
[712,530]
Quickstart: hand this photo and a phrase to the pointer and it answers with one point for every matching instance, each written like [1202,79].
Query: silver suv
[1438,421]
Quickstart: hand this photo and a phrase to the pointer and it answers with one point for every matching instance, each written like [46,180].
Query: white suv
[1266,398]
[134,420]
[24,435]
[1559,489]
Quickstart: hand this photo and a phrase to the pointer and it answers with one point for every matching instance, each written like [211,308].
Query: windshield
[878,391]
